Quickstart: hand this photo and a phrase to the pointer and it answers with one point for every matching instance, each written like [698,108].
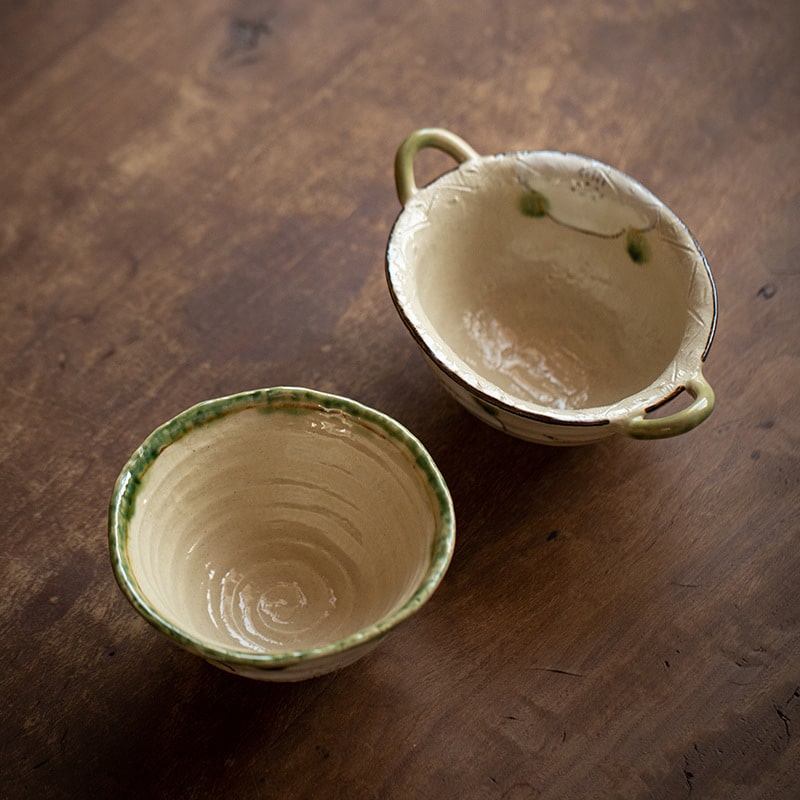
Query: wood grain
[196,200]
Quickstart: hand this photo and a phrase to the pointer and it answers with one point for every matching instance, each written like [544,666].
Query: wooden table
[195,201]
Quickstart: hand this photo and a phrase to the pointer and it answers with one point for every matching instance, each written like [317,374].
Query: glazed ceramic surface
[280,533]
[555,297]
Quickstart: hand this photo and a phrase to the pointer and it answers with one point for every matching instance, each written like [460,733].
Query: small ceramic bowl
[282,533]
[555,297]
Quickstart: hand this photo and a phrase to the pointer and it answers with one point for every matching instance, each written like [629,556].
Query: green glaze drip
[637,246]
[534,204]
[490,410]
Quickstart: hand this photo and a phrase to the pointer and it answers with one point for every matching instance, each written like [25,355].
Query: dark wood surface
[195,201]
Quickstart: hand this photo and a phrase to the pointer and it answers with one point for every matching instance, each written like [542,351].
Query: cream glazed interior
[283,529]
[552,284]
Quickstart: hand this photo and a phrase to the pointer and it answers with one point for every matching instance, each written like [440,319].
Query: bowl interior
[280,529]
[557,280]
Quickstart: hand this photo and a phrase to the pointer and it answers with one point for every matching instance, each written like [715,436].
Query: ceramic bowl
[555,297]
[282,533]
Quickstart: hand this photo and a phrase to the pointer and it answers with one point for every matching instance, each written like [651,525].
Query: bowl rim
[121,510]
[591,416]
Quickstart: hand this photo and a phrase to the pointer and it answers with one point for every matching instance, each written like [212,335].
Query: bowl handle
[680,422]
[438,138]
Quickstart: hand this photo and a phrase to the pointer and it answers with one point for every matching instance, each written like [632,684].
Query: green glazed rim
[123,501]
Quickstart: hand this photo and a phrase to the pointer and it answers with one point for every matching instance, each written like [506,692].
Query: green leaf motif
[637,246]
[534,204]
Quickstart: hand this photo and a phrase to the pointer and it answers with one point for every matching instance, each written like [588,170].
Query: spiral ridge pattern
[282,531]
